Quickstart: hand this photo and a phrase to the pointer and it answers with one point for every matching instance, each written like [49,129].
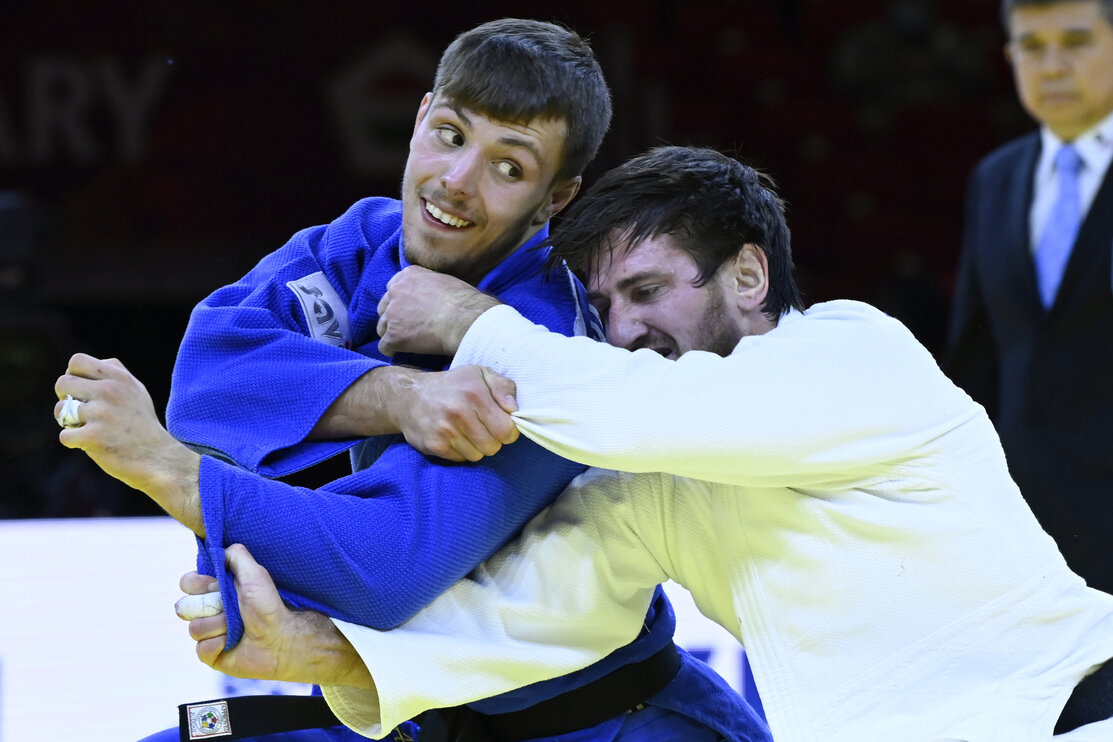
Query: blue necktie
[1062,226]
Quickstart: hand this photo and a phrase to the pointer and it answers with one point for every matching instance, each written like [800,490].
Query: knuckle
[453,415]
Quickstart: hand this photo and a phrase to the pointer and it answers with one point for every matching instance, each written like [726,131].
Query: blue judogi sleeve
[377,545]
[373,547]
[263,358]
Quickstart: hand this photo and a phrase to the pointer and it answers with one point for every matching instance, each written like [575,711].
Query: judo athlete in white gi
[824,491]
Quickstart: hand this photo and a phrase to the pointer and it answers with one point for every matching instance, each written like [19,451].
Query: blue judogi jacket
[261,361]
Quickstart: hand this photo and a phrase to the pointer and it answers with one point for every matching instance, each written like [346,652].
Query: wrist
[395,390]
[326,657]
[464,319]
[175,485]
[368,407]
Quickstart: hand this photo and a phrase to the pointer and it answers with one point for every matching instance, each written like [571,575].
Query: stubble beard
[717,334]
[471,267]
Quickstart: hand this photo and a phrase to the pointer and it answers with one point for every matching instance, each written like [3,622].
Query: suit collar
[1093,245]
[1015,232]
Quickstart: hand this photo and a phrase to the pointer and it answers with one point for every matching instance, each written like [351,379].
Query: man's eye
[643,293]
[509,169]
[1076,41]
[450,136]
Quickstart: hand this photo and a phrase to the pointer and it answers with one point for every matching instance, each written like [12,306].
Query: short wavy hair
[519,70]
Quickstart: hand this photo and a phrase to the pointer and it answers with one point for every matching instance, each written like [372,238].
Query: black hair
[709,203]
[1008,6]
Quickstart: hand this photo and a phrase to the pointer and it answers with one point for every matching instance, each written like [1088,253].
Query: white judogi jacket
[824,492]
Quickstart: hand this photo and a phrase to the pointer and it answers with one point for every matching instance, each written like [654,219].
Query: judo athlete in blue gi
[281,370]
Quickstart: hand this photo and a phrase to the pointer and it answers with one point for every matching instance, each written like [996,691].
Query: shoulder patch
[325,314]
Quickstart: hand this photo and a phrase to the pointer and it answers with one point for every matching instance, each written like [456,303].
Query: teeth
[448,219]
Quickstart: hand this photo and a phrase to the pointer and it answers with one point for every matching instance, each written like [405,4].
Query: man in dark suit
[1032,326]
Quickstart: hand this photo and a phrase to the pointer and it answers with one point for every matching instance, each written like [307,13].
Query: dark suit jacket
[1045,376]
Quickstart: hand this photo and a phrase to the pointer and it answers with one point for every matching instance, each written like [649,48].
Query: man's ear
[562,195]
[749,276]
[426,101]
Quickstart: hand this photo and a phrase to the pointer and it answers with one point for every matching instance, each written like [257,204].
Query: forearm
[175,487]
[322,655]
[370,406]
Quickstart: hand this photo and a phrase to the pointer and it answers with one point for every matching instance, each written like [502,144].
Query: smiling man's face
[475,189]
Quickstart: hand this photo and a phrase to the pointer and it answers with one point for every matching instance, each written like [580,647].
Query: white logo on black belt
[208,720]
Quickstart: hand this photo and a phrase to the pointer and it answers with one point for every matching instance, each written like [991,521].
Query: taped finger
[190,607]
[70,416]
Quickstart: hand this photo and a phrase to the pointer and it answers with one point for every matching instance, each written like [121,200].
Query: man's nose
[462,173]
[1055,60]
[624,328]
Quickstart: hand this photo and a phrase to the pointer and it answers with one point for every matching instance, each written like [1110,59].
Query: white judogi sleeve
[837,390]
[520,617]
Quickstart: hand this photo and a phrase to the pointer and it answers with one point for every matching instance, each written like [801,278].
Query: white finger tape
[68,417]
[190,607]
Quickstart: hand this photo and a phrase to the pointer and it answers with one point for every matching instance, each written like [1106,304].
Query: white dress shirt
[1095,147]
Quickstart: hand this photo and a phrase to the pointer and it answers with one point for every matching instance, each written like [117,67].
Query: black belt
[579,708]
[1091,700]
[250,716]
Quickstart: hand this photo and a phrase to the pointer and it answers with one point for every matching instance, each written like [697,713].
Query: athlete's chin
[439,258]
